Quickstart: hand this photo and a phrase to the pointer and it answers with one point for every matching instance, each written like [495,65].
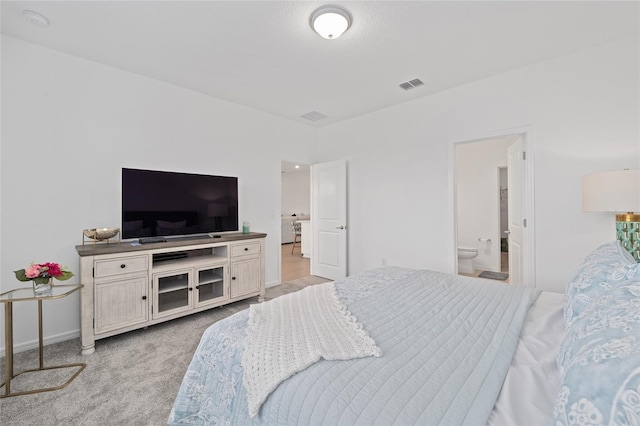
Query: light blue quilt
[447,343]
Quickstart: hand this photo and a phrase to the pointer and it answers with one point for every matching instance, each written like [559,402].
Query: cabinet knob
[233,278]
[246,249]
[123,266]
[144,297]
[198,287]
[190,288]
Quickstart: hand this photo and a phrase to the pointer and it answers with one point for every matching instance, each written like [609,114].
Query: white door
[515,206]
[329,219]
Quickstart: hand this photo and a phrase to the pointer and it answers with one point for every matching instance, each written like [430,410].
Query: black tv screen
[159,203]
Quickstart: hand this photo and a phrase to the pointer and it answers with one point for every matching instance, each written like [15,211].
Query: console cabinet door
[172,292]
[211,285]
[120,303]
[245,276]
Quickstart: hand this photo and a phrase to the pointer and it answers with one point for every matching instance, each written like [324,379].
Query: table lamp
[217,211]
[617,192]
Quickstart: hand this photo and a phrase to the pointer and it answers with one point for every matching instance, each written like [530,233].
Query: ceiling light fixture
[35,18]
[330,21]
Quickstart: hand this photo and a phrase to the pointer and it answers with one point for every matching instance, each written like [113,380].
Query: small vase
[41,289]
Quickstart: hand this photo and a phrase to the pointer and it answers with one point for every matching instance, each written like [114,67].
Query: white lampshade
[617,191]
[330,21]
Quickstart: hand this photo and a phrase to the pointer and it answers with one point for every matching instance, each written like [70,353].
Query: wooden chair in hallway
[297,235]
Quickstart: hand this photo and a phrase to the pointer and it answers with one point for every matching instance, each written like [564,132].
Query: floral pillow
[606,267]
[599,362]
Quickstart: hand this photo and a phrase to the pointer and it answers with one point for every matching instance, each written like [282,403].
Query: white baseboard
[33,344]
[272,284]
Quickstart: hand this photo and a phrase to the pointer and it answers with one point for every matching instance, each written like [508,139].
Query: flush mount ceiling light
[35,18]
[330,21]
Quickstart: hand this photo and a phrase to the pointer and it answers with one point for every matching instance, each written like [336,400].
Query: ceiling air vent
[411,84]
[314,116]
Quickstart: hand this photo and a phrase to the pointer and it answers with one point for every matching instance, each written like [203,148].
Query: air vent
[314,116]
[411,84]
[35,18]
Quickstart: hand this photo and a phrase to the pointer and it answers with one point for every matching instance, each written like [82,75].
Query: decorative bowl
[101,234]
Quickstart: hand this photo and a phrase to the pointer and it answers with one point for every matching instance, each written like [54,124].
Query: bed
[453,350]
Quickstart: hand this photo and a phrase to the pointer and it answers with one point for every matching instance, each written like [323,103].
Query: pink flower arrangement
[40,273]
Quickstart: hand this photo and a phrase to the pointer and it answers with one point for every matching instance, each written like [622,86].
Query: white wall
[583,112]
[70,125]
[296,190]
[478,198]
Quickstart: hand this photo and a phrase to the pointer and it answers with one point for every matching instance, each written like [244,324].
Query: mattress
[447,370]
[532,382]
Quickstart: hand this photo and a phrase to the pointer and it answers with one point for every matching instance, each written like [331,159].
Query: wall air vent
[314,116]
[411,84]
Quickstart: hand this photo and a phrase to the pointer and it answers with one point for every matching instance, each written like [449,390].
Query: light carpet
[132,379]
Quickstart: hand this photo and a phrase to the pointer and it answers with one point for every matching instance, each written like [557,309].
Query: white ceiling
[263,54]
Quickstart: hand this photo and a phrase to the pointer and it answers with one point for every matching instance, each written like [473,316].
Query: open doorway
[480,194]
[503,196]
[295,219]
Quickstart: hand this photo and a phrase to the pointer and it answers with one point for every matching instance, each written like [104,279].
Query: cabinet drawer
[245,249]
[124,265]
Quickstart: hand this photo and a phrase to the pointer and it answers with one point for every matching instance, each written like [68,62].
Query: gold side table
[27,294]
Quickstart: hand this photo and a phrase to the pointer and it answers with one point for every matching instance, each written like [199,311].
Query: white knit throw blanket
[290,333]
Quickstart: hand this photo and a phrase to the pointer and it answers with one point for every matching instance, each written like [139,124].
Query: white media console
[127,287]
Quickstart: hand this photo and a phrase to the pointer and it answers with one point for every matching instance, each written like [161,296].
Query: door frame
[306,163]
[527,133]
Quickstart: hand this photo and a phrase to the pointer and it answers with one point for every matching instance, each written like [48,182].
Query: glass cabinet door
[172,292]
[211,285]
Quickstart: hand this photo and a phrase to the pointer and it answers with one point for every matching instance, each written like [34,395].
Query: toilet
[465,259]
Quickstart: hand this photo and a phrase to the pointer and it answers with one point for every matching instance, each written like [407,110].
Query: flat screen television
[160,203]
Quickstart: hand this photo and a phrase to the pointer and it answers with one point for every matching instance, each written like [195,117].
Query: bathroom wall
[478,198]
